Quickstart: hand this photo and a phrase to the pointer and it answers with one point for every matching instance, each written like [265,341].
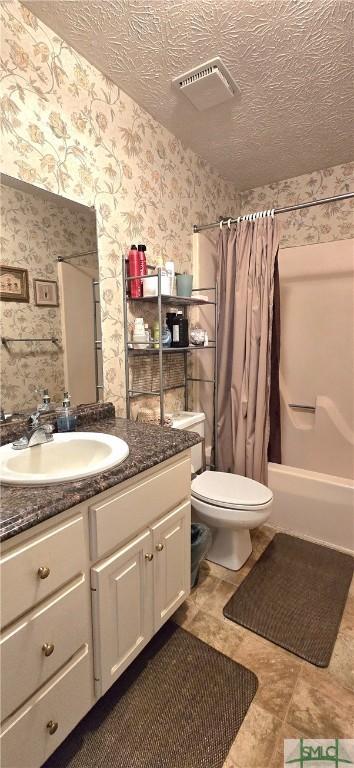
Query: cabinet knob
[159,547]
[149,557]
[52,726]
[43,572]
[48,648]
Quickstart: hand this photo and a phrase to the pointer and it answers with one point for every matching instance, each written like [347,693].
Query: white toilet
[230,505]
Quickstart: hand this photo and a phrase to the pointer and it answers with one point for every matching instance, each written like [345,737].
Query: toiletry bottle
[185,332]
[176,330]
[165,283]
[166,336]
[45,404]
[180,337]
[66,419]
[169,319]
[139,335]
[147,334]
[134,288]
[170,269]
[156,334]
[142,259]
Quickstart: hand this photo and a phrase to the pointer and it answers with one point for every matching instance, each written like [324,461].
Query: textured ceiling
[292,60]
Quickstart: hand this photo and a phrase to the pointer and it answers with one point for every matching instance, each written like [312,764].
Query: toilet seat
[228,491]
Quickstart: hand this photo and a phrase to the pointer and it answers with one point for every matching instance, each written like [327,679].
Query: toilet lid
[227,490]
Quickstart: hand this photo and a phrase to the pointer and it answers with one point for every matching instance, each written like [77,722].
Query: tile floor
[294,698]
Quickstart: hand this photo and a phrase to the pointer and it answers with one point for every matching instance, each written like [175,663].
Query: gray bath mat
[295,596]
[179,705]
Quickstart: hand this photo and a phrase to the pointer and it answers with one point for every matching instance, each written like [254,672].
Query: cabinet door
[172,549]
[122,588]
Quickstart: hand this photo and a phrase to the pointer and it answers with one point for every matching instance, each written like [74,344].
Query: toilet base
[230,548]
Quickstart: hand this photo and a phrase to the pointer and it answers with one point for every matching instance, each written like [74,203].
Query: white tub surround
[313,506]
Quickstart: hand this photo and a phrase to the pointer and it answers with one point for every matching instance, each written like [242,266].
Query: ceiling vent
[207,85]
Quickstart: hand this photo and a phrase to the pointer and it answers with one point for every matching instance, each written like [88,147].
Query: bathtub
[313,506]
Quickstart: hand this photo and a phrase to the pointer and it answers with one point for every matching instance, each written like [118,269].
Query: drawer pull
[43,572]
[159,547]
[149,557]
[48,648]
[52,726]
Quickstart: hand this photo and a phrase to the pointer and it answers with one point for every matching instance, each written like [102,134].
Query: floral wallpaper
[310,225]
[35,231]
[68,129]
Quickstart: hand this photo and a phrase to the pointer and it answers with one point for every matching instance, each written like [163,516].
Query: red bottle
[134,269]
[142,264]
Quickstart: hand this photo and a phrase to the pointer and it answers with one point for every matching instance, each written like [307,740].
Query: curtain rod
[298,207]
[76,255]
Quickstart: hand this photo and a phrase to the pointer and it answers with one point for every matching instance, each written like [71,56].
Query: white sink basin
[70,456]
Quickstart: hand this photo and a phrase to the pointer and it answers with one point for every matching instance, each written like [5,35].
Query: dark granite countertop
[23,507]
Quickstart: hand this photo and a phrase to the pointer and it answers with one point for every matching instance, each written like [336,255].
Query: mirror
[49,299]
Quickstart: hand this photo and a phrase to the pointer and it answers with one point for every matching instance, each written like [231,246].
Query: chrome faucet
[37,434]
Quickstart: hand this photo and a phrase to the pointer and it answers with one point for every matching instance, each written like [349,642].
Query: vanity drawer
[119,518]
[26,739]
[33,571]
[62,622]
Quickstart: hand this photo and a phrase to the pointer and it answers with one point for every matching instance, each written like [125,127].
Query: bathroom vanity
[90,571]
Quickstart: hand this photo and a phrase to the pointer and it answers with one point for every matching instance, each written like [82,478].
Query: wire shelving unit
[164,353]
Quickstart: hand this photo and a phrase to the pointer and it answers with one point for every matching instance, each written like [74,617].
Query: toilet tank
[192,422]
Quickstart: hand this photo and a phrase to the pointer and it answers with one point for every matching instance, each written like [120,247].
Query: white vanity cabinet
[136,590]
[82,594]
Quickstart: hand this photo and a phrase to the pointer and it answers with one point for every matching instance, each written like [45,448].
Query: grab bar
[301,407]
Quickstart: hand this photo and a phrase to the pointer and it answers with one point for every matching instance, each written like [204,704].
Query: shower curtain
[274,445]
[246,260]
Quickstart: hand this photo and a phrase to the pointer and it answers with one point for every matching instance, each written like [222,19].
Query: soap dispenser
[45,404]
[66,420]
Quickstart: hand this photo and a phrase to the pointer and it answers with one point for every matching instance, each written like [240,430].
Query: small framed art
[13,284]
[46,293]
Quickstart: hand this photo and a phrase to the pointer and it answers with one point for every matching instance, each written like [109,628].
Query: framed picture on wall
[46,293]
[13,284]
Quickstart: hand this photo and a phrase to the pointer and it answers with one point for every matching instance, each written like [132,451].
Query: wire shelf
[169,350]
[172,301]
